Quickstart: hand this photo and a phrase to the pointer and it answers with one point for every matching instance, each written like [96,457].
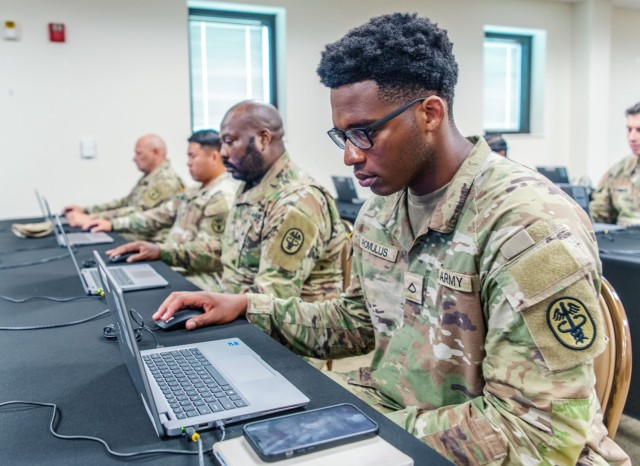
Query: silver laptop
[130,277]
[46,214]
[79,238]
[198,384]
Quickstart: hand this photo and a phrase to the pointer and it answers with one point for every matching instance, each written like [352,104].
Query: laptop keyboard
[191,385]
[121,277]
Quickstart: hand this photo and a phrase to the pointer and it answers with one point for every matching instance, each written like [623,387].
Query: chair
[613,367]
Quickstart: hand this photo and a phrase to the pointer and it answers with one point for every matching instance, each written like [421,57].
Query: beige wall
[124,71]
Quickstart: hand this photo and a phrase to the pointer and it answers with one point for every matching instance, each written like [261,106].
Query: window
[232,56]
[507,82]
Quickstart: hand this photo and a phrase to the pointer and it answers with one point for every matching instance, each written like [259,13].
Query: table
[78,369]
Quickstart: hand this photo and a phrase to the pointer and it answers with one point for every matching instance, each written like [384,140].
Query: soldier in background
[196,218]
[159,183]
[617,198]
[475,280]
[496,143]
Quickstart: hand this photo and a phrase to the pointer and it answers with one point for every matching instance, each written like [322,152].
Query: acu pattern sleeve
[148,221]
[544,328]
[202,253]
[601,207]
[292,239]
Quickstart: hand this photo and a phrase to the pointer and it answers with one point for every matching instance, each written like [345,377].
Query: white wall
[124,71]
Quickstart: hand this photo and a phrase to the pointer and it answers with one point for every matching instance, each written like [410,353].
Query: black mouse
[122,257]
[179,319]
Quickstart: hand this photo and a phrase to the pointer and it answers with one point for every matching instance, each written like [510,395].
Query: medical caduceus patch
[571,323]
[292,241]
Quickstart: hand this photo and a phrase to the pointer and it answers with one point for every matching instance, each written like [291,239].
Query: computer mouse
[179,319]
[122,257]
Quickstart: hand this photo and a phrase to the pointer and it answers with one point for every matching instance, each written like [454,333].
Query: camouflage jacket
[284,237]
[196,218]
[617,199]
[483,326]
[161,184]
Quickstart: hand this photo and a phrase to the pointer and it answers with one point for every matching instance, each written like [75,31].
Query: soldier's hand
[98,224]
[130,249]
[146,251]
[218,308]
[77,219]
[73,208]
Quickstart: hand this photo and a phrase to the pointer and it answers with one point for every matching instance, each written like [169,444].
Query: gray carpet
[628,437]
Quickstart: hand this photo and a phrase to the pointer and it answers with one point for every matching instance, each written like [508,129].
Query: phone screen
[304,432]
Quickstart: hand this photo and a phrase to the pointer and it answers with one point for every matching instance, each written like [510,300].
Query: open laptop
[555,174]
[44,206]
[79,238]
[225,380]
[129,277]
[348,202]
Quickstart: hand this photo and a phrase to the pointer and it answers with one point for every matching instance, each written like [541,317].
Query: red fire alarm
[56,32]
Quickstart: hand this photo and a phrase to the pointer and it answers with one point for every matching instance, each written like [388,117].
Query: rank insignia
[292,241]
[571,323]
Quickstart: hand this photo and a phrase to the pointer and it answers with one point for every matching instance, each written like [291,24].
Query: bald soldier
[475,280]
[617,199]
[159,183]
[284,235]
[196,218]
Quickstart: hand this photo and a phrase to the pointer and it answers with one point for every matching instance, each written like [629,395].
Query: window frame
[525,41]
[267,19]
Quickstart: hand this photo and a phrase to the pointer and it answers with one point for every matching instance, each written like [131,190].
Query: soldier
[196,218]
[617,199]
[475,280]
[159,183]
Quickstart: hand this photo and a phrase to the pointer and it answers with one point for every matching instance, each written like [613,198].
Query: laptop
[129,277]
[348,202]
[198,384]
[555,174]
[79,238]
[46,214]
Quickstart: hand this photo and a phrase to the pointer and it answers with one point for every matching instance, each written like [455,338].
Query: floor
[628,435]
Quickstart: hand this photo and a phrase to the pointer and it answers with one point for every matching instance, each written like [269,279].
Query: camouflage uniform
[284,237]
[196,218]
[617,199]
[483,327]
[161,184]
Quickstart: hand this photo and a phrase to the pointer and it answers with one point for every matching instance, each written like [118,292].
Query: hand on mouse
[219,308]
[98,224]
[144,251]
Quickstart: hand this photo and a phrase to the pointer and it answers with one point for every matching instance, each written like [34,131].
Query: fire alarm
[56,32]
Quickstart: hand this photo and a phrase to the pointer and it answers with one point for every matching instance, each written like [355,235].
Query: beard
[251,166]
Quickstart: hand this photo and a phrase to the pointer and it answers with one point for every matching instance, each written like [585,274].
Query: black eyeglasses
[361,137]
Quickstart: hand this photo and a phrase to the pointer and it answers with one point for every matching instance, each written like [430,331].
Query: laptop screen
[555,174]
[345,188]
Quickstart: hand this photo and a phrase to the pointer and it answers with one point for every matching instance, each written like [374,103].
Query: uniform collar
[256,193]
[631,163]
[394,214]
[156,172]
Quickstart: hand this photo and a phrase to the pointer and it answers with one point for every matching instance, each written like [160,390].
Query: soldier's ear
[432,112]
[263,138]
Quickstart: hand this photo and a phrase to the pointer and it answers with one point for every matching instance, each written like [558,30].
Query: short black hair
[207,138]
[633,110]
[407,56]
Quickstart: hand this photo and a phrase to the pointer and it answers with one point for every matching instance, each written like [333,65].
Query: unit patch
[571,323]
[218,222]
[292,241]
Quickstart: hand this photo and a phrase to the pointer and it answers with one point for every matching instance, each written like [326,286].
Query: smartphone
[308,431]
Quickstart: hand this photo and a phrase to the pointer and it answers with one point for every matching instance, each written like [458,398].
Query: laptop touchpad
[245,368]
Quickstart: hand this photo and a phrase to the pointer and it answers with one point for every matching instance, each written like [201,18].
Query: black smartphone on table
[308,431]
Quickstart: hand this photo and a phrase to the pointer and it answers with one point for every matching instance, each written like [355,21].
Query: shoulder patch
[567,328]
[571,323]
[153,195]
[218,223]
[294,238]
